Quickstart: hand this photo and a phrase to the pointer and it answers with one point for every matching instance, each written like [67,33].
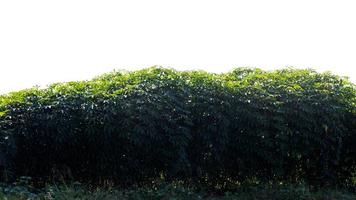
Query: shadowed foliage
[217,129]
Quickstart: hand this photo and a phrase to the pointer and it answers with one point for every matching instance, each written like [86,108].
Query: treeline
[286,125]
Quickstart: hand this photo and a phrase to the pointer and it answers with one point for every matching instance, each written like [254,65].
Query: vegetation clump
[131,128]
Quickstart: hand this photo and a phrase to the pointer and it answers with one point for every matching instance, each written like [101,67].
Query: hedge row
[130,127]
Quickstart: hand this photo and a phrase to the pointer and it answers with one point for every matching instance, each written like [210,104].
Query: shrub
[285,125]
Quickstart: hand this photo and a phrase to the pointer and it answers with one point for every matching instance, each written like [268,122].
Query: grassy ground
[170,191]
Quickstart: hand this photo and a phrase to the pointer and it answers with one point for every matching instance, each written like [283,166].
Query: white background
[47,41]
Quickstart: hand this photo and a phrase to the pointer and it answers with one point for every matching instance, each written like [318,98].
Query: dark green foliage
[159,191]
[286,125]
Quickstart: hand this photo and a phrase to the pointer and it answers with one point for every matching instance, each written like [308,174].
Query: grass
[171,191]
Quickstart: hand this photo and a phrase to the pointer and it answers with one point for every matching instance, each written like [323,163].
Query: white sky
[47,41]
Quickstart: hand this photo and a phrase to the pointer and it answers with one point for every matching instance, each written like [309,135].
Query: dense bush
[284,125]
